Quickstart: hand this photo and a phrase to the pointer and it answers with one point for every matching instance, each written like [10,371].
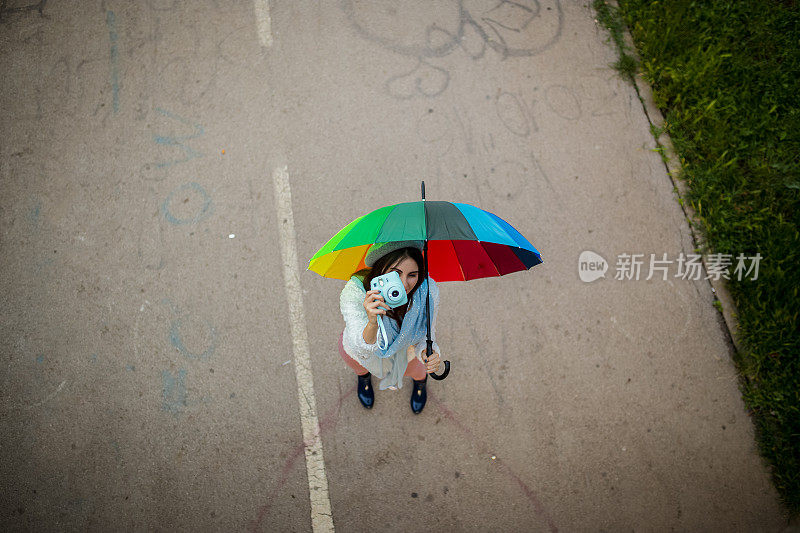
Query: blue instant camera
[394,294]
[392,289]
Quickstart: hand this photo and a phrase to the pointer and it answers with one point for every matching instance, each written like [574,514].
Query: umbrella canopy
[464,241]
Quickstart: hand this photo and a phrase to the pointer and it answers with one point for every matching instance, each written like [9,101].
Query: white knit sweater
[351,303]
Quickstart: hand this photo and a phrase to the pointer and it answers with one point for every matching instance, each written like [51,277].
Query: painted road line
[321,517]
[263,22]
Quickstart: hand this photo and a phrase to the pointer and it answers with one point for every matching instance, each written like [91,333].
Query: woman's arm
[351,303]
[370,334]
[375,307]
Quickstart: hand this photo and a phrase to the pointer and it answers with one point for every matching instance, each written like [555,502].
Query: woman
[405,325]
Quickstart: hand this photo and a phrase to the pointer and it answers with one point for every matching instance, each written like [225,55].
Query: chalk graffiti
[112,35]
[34,213]
[176,340]
[563,101]
[178,336]
[38,6]
[424,79]
[516,114]
[519,113]
[205,210]
[189,152]
[174,391]
[519,180]
[512,29]
[162,5]
[175,397]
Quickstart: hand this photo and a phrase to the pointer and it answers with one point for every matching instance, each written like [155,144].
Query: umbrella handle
[443,374]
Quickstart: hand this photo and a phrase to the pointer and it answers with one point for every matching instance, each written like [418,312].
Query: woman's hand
[373,303]
[432,362]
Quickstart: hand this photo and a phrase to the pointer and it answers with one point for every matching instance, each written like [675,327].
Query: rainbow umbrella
[462,242]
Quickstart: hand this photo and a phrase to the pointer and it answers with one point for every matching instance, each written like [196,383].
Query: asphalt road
[168,169]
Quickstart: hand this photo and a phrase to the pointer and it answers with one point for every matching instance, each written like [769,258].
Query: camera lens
[395,293]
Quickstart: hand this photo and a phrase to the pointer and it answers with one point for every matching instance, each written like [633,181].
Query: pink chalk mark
[329,422]
[537,505]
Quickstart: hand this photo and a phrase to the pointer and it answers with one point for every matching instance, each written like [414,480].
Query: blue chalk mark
[174,388]
[112,34]
[94,358]
[33,214]
[130,367]
[178,141]
[77,502]
[174,308]
[39,266]
[40,359]
[204,212]
[115,444]
[176,340]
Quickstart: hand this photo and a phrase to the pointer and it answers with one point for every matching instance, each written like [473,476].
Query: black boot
[365,394]
[419,395]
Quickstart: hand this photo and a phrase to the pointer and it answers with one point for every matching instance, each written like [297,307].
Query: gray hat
[378,250]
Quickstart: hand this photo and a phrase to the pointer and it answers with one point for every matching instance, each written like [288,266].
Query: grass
[725,76]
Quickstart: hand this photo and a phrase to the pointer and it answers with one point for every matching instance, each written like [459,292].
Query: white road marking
[321,517]
[263,21]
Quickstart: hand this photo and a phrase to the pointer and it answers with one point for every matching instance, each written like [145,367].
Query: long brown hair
[383,264]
